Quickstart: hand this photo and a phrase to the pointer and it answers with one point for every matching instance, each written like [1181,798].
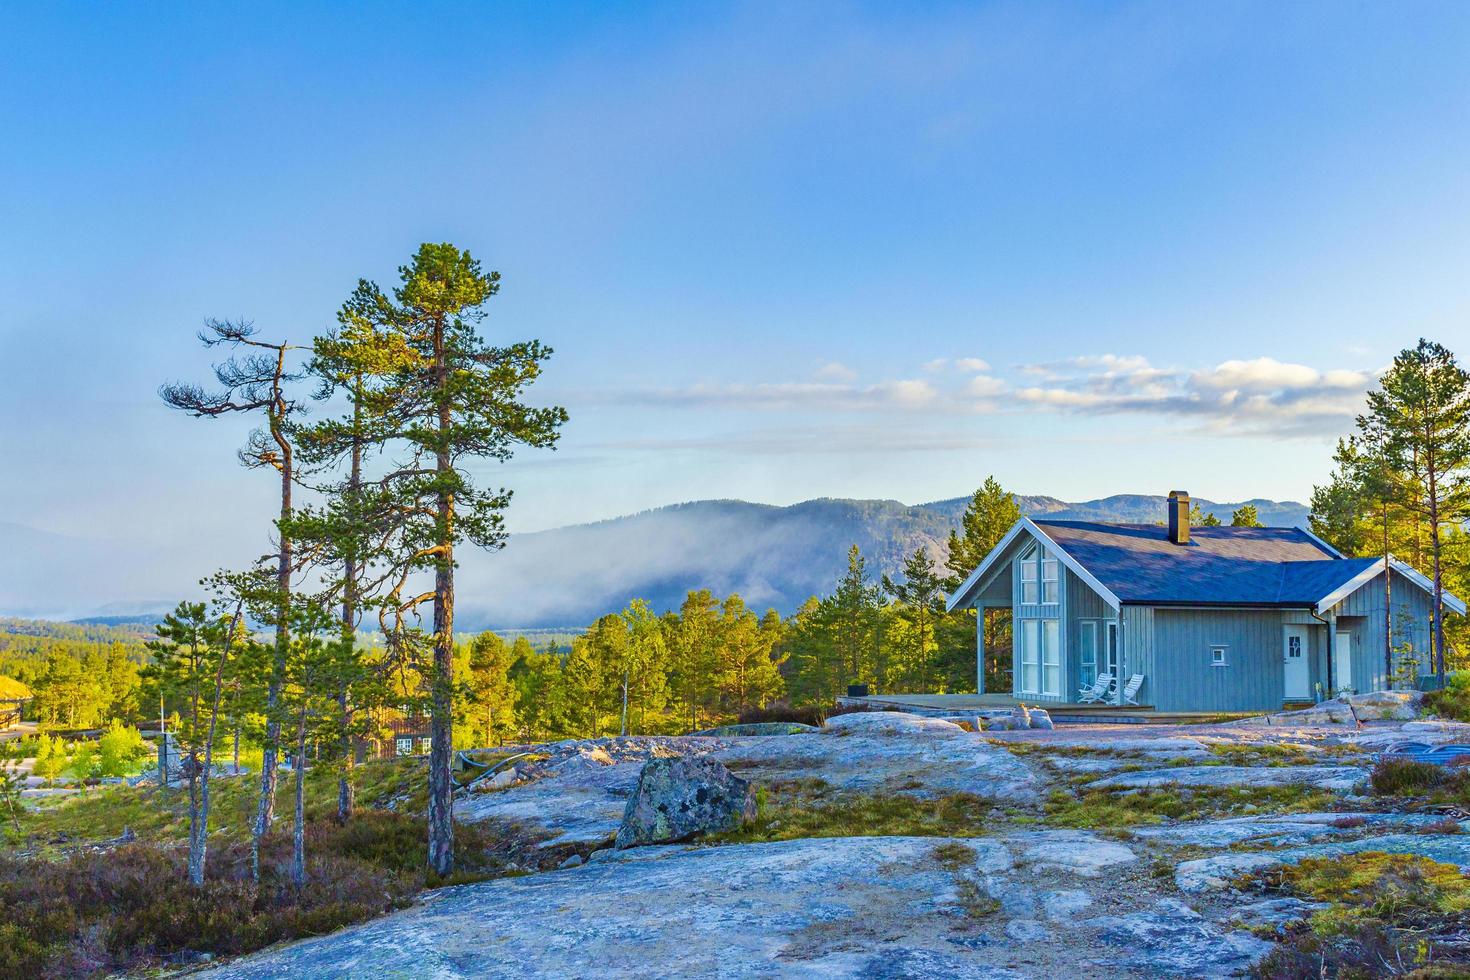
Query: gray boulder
[1040,718]
[680,797]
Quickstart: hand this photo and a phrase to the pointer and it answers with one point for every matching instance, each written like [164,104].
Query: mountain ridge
[773,555]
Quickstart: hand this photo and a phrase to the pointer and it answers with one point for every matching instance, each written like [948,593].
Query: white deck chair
[1098,690]
[1130,690]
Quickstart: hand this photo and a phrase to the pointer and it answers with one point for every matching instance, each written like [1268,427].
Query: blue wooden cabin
[1215,618]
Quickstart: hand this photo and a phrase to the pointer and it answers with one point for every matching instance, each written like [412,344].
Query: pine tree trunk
[441,726]
[298,831]
[265,808]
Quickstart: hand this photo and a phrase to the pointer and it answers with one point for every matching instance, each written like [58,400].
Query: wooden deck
[943,705]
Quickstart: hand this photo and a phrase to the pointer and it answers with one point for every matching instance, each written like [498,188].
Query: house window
[1087,654]
[1051,657]
[1031,656]
[1217,656]
[424,744]
[403,746]
[1030,566]
[1041,656]
[1041,577]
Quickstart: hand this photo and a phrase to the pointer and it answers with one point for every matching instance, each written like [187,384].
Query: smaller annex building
[1198,619]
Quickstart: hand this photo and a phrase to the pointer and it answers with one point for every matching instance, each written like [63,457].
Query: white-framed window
[1030,641]
[1040,643]
[425,743]
[1087,650]
[403,746]
[1030,568]
[1041,577]
[1219,656]
[1051,657]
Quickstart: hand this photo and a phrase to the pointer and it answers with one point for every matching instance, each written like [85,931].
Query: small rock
[1040,718]
[599,854]
[1026,931]
[1020,718]
[681,797]
[1275,913]
[574,861]
[1061,906]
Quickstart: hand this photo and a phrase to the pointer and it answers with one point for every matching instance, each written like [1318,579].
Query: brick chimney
[1178,508]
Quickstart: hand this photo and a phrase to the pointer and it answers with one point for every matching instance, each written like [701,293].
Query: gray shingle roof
[1219,566]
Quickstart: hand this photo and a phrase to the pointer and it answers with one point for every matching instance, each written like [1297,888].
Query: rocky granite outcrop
[680,798]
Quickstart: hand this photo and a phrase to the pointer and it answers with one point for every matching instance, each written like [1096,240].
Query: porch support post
[979,648]
[1331,655]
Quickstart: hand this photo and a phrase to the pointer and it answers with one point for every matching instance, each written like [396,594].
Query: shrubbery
[132,906]
[1387,914]
[1453,700]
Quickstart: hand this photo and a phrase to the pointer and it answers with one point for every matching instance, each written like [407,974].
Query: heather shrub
[1406,777]
[131,907]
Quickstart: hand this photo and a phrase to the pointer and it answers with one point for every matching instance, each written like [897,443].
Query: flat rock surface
[1323,777]
[1223,869]
[583,788]
[838,907]
[1280,829]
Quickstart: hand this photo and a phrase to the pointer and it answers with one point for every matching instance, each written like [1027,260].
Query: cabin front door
[1342,665]
[1298,681]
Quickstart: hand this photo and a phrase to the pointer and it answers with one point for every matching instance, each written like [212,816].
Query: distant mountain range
[775,557]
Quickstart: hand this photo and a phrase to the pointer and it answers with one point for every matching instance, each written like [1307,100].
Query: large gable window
[1041,577]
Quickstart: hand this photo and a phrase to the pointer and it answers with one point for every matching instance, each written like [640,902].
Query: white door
[1298,679]
[1342,664]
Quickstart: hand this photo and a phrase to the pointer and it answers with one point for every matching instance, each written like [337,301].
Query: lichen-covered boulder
[680,797]
[1040,718]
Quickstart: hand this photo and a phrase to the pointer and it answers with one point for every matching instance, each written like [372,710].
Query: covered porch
[947,705]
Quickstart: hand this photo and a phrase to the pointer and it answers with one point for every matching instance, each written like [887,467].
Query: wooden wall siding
[1138,651]
[1082,604]
[1364,610]
[1182,677]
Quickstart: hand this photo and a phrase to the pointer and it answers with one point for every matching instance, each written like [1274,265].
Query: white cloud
[938,364]
[1261,374]
[984,386]
[836,371]
[1248,396]
[1259,395]
[973,365]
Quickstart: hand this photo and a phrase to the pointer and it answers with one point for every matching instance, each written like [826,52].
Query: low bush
[1453,700]
[1387,915]
[131,907]
[1407,777]
[780,711]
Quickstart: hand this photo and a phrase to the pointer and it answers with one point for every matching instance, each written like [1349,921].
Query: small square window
[1217,656]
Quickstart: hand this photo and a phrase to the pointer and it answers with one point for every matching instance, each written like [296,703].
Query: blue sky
[782,250]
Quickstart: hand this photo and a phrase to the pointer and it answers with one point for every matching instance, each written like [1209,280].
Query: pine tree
[455,400]
[1245,516]
[490,685]
[991,512]
[920,601]
[1420,416]
[257,381]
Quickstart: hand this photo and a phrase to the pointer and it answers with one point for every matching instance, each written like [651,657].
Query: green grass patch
[805,808]
[1101,809]
[154,813]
